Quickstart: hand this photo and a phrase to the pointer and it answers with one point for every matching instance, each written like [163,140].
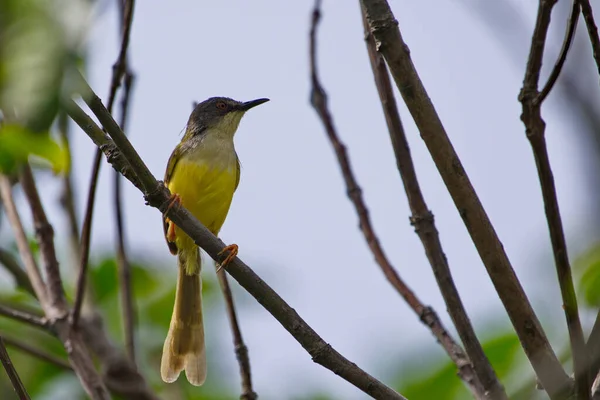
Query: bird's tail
[184,345]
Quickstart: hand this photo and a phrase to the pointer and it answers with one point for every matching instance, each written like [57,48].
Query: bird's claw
[231,251]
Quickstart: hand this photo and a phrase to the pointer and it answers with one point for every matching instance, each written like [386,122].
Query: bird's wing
[175,156]
[237,172]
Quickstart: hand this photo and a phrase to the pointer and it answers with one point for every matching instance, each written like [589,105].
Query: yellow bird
[203,172]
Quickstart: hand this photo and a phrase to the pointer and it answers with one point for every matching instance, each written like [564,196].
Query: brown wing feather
[175,156]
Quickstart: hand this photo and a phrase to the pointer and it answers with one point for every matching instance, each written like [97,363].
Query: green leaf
[502,351]
[18,143]
[589,284]
[441,383]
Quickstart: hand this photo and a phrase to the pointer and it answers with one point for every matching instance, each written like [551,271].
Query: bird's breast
[205,180]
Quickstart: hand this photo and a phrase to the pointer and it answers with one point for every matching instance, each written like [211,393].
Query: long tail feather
[184,345]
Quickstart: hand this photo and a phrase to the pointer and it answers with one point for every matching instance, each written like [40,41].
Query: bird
[202,174]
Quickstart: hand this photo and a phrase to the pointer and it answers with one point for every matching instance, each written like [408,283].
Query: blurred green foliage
[38,48]
[154,293]
[39,45]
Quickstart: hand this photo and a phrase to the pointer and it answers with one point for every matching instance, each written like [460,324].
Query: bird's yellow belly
[206,191]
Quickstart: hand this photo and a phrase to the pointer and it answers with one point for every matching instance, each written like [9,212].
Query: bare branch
[42,355]
[127,303]
[23,316]
[55,305]
[593,349]
[571,27]
[157,195]
[12,266]
[241,350]
[29,262]
[533,339]
[118,372]
[67,196]
[84,250]
[118,71]
[12,373]
[423,221]
[588,16]
[426,314]
[535,130]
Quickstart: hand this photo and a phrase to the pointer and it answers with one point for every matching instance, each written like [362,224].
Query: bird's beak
[253,103]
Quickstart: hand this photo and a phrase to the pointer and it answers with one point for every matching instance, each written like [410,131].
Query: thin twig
[527,326]
[42,355]
[84,250]
[423,221]
[118,71]
[426,314]
[535,130]
[12,373]
[123,157]
[592,348]
[31,267]
[45,236]
[571,27]
[588,16]
[119,373]
[67,196]
[23,316]
[241,350]
[12,266]
[124,267]
[55,305]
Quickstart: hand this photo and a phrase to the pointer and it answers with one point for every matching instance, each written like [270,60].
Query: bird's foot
[231,251]
[174,201]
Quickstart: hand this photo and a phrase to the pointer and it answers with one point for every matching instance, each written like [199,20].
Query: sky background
[290,215]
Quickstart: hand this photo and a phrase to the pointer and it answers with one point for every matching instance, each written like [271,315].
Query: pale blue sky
[290,216]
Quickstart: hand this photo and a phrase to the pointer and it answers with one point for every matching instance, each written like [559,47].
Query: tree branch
[535,130]
[533,339]
[571,27]
[23,316]
[588,16]
[423,221]
[12,266]
[42,355]
[426,314]
[124,267]
[55,306]
[241,350]
[67,196]
[118,71]
[12,373]
[31,267]
[157,195]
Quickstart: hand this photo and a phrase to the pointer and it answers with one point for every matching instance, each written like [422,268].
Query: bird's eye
[221,105]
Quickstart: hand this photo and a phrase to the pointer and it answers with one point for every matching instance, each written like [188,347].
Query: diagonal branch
[42,355]
[241,350]
[588,16]
[123,157]
[124,267]
[571,27]
[527,326]
[31,267]
[12,373]
[23,316]
[55,305]
[426,314]
[67,196]
[423,221]
[535,130]
[119,69]
[12,266]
